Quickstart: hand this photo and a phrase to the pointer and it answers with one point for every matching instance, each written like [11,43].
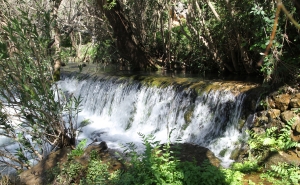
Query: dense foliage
[204,36]
[34,113]
[249,37]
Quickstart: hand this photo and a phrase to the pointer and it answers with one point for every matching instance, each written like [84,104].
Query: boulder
[275,123]
[273,113]
[287,115]
[194,153]
[271,103]
[258,130]
[295,101]
[296,125]
[235,154]
[295,136]
[260,121]
[289,157]
[282,101]
[261,113]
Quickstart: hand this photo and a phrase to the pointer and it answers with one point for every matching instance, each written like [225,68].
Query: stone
[295,136]
[103,145]
[275,123]
[282,101]
[273,113]
[260,121]
[258,130]
[261,113]
[241,124]
[194,153]
[287,115]
[295,101]
[271,103]
[235,154]
[289,157]
[189,114]
[296,124]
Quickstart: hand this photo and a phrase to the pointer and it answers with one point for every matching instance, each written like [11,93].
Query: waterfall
[119,109]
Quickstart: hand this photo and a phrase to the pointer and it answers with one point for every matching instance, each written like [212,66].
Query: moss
[223,152]
[188,116]
[241,124]
[201,87]
[198,84]
[235,154]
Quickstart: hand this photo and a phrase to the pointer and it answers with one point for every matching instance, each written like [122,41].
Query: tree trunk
[56,44]
[125,44]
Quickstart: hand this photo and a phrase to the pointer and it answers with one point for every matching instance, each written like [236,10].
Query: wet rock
[295,101]
[243,153]
[241,124]
[235,154]
[103,146]
[191,152]
[282,101]
[250,121]
[188,114]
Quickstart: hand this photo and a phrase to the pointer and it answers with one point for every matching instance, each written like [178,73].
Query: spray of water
[119,109]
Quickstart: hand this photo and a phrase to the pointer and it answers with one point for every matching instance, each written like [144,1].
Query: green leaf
[269,141]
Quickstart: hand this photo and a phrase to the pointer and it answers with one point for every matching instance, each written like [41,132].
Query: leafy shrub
[270,141]
[158,166]
[97,173]
[283,174]
[79,150]
[246,166]
[69,172]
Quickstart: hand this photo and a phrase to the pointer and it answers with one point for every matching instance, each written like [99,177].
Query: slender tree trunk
[125,44]
[56,44]
[246,61]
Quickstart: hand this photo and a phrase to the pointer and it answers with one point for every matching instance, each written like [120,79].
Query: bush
[158,166]
[43,118]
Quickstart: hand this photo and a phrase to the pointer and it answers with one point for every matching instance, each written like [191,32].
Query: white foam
[119,111]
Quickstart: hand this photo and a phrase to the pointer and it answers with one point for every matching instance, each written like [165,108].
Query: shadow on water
[96,69]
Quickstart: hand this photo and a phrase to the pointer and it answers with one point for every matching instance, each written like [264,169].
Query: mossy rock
[188,115]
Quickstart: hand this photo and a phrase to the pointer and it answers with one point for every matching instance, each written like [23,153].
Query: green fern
[271,140]
[284,173]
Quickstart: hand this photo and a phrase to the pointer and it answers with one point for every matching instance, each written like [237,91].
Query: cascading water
[119,109]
